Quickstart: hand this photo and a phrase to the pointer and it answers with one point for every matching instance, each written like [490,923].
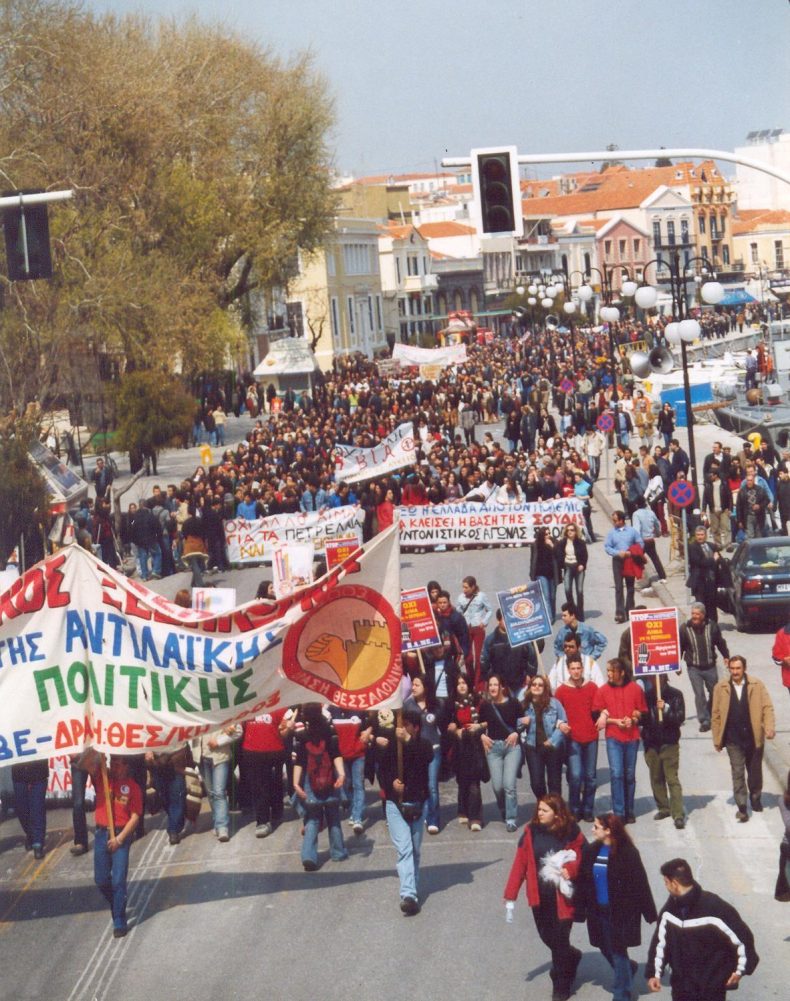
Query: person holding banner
[666,711]
[119,807]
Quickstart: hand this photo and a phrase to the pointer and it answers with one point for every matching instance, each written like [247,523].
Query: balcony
[420,283]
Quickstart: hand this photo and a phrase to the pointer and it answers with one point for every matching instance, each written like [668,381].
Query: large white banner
[88,657]
[409,354]
[255,541]
[352,464]
[468,524]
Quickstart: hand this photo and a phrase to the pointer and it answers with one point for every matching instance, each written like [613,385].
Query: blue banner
[525,613]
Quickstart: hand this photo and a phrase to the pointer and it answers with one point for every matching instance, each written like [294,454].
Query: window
[701,224]
[379,324]
[671,232]
[587,264]
[425,265]
[779,255]
[754,253]
[350,304]
[684,231]
[330,263]
[335,319]
[637,247]
[657,233]
[725,254]
[356,258]
[412,264]
[622,245]
[607,248]
[370,311]
[722,221]
[397,270]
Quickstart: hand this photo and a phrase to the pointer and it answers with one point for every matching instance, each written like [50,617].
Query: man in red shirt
[111,851]
[619,707]
[576,696]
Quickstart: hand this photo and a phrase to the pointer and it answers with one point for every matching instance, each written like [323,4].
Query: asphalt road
[242,919]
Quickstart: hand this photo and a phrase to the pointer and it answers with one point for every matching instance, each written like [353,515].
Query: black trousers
[265,776]
[556,936]
[545,770]
[470,802]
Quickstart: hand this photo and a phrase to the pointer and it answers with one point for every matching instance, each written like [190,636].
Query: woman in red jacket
[547,860]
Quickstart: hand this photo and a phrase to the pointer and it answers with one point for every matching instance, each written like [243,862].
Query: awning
[289,356]
[736,297]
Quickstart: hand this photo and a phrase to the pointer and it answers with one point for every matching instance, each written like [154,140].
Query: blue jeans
[406,836]
[172,789]
[432,810]
[619,961]
[154,554]
[30,807]
[79,779]
[215,778]
[109,873]
[549,585]
[582,768]
[354,789]
[503,763]
[622,774]
[315,808]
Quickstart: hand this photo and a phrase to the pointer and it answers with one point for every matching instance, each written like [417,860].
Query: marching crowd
[476,710]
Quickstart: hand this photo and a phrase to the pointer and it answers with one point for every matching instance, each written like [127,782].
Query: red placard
[418,624]
[655,641]
[338,550]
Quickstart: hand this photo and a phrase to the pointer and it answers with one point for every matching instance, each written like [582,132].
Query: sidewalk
[674,594]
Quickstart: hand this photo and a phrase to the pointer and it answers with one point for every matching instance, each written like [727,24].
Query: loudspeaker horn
[661,361]
[640,364]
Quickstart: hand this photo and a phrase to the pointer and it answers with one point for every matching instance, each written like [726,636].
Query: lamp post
[683,329]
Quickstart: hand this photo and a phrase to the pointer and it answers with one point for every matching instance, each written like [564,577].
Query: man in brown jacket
[742,719]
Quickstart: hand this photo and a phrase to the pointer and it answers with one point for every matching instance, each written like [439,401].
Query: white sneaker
[475,827]
[433,829]
[222,835]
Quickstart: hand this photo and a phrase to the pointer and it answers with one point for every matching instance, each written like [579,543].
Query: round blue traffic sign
[605,422]
[681,493]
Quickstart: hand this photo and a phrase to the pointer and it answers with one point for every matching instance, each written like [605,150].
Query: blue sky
[417,80]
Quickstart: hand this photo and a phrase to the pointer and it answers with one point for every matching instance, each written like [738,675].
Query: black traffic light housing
[26,229]
[497,190]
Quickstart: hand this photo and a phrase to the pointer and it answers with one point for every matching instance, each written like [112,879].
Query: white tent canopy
[289,356]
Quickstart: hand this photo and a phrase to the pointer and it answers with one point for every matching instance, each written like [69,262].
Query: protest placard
[417,619]
[525,613]
[655,641]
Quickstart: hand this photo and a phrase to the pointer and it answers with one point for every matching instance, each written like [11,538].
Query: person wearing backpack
[319,775]
[403,778]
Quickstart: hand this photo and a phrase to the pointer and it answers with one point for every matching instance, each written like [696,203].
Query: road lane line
[49,858]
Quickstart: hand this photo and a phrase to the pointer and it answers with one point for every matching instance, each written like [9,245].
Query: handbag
[411,811]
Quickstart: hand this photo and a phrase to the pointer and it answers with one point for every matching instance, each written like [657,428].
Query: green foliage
[154,410]
[200,165]
[23,492]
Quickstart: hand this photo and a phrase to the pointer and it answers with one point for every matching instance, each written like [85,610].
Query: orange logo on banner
[347,649]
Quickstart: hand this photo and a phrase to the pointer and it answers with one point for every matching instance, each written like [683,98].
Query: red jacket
[620,701]
[525,870]
[780,651]
[634,563]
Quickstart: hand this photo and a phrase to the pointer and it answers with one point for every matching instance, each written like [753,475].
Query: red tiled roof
[749,220]
[436,230]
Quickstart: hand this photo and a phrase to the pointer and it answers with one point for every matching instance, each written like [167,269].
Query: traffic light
[497,190]
[26,229]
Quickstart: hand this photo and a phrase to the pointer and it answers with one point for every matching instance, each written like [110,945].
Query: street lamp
[683,329]
[608,313]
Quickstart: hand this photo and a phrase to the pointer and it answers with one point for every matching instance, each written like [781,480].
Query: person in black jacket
[661,742]
[703,559]
[570,554]
[701,937]
[513,664]
[405,786]
[614,893]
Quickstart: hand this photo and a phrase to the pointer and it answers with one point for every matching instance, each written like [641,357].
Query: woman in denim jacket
[543,742]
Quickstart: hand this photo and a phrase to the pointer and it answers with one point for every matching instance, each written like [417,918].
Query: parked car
[760,589]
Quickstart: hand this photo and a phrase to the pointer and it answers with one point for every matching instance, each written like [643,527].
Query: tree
[201,167]
[24,498]
[153,410]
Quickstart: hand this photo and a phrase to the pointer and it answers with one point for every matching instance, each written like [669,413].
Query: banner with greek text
[255,541]
[352,464]
[469,524]
[90,658]
[410,354]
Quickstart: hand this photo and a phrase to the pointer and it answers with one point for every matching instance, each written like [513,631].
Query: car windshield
[768,557]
